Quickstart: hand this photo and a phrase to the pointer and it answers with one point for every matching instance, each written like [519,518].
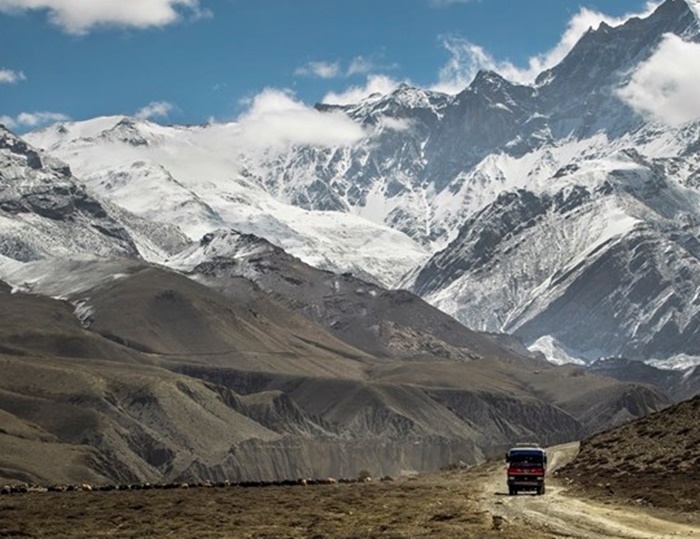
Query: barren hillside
[141,374]
[652,461]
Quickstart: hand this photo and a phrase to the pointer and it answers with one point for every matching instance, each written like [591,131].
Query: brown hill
[654,460]
[155,377]
[173,317]
[85,420]
[37,325]
[381,322]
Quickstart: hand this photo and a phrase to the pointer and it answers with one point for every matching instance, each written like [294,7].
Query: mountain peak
[132,131]
[51,213]
[405,91]
[677,16]
[692,5]
[488,79]
[403,87]
[126,121]
[603,55]
[407,97]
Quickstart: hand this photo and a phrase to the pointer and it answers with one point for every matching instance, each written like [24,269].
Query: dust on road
[562,515]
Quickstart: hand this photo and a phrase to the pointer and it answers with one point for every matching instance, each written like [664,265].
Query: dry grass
[435,506]
[653,461]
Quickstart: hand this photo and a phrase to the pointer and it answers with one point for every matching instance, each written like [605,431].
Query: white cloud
[155,109]
[80,16]
[322,70]
[376,84]
[7,76]
[276,120]
[395,124]
[360,66]
[665,87]
[331,70]
[32,120]
[467,58]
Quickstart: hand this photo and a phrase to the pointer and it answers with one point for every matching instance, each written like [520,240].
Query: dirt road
[560,515]
[470,502]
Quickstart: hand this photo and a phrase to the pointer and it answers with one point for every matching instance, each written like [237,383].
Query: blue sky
[194,61]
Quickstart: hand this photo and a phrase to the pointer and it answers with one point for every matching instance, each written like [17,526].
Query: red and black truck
[527,465]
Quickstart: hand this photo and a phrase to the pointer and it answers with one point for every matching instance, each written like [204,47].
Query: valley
[193,386]
[514,261]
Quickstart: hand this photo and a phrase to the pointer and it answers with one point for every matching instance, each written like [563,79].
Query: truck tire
[540,490]
[512,491]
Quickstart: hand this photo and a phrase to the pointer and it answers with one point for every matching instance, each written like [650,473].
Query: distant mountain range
[327,309]
[242,362]
[553,211]
[142,374]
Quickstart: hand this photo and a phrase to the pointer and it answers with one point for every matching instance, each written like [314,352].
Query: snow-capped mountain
[554,210]
[609,261]
[384,323]
[590,249]
[197,178]
[45,212]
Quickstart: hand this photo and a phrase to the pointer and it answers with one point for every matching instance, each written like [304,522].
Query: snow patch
[554,351]
[83,311]
[678,362]
[694,6]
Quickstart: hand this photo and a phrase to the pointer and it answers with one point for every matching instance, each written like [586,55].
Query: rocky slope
[680,384]
[191,384]
[633,270]
[652,461]
[46,212]
[381,322]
